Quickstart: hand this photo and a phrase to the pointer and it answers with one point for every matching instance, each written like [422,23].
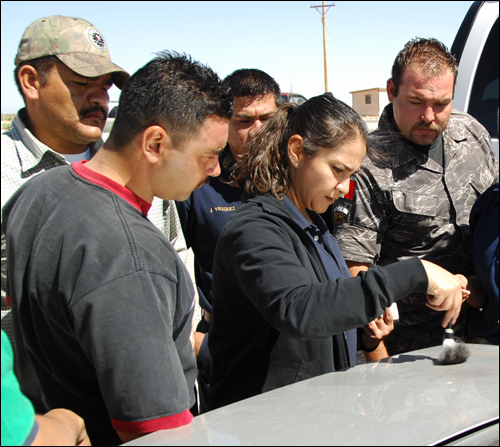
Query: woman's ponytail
[263,168]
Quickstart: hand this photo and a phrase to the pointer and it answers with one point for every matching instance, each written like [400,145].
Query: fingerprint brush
[453,352]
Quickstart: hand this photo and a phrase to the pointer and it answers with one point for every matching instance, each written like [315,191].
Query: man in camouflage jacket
[415,198]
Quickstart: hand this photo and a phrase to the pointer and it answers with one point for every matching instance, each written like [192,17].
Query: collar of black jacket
[269,204]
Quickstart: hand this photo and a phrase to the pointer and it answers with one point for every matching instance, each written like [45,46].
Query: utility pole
[324,37]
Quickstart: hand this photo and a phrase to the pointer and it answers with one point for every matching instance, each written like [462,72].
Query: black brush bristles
[453,354]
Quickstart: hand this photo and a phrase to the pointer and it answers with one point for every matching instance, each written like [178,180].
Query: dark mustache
[424,125]
[92,109]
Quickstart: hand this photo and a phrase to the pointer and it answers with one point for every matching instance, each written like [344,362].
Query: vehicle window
[112,112]
[484,96]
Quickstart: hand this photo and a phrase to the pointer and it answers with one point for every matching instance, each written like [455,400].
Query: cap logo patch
[96,39]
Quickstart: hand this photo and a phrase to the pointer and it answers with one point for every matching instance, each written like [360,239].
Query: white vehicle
[407,399]
[476,50]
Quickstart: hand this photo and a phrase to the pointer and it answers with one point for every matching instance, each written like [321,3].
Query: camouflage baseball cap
[75,42]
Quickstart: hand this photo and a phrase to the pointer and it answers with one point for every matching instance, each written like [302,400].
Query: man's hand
[478,295]
[446,292]
[378,329]
[61,427]
[198,340]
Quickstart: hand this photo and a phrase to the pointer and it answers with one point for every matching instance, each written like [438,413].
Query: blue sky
[285,39]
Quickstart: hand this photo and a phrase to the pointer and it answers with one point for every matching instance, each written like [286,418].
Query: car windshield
[293,97]
[297,99]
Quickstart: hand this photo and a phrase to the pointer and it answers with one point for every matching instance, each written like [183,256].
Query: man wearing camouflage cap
[63,71]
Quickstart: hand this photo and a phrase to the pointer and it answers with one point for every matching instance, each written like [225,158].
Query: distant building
[369,102]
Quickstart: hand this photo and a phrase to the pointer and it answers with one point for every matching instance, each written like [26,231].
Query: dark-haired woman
[284,303]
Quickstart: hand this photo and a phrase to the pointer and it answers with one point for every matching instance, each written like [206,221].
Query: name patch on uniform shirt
[222,208]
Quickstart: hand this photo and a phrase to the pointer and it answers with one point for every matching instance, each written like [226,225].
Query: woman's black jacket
[276,316]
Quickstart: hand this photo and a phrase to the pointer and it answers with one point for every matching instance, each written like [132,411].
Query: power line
[348,61]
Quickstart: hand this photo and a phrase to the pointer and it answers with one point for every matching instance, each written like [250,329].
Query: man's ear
[156,144]
[391,88]
[30,82]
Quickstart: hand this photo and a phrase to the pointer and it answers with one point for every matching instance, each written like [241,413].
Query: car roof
[409,399]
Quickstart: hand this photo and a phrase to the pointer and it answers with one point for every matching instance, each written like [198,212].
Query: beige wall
[359,103]
[379,101]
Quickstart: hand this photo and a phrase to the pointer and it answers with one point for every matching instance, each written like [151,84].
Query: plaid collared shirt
[24,156]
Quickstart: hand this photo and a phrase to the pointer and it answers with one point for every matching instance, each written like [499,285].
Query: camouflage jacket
[408,205]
